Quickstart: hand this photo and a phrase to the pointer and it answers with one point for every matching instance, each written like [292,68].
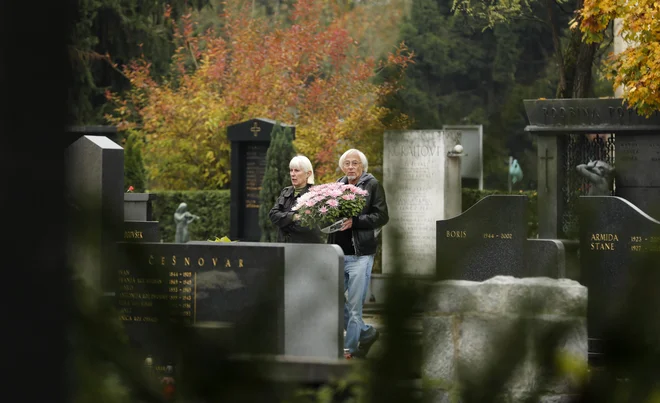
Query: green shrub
[276,177]
[211,205]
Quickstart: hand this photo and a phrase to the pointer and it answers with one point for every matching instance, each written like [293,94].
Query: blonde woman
[286,221]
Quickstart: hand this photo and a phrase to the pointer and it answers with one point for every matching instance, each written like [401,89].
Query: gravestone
[94,191]
[422,185]
[558,123]
[616,238]
[487,240]
[637,173]
[141,231]
[138,218]
[545,258]
[249,144]
[139,206]
[274,299]
[472,163]
[73,133]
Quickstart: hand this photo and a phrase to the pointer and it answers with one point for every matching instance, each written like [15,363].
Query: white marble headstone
[422,185]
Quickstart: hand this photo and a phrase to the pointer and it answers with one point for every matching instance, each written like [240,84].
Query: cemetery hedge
[211,205]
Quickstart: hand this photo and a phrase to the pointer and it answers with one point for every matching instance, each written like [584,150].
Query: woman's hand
[348,223]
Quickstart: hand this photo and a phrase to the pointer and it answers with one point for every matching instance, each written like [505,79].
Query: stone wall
[486,337]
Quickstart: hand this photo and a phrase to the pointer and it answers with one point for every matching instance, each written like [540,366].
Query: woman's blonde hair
[304,164]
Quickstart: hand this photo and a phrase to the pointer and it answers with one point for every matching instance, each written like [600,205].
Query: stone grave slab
[615,239]
[420,191]
[141,231]
[249,144]
[487,240]
[273,299]
[139,206]
[545,258]
[94,192]
[637,175]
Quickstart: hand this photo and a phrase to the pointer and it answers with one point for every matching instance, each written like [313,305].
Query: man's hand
[296,217]
[348,223]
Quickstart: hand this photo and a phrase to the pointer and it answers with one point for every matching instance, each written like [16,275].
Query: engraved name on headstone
[487,240]
[416,168]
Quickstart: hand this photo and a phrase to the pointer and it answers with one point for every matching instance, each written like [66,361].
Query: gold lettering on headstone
[227,263]
[603,241]
[200,262]
[456,234]
[173,260]
[215,261]
[151,258]
[240,262]
[186,261]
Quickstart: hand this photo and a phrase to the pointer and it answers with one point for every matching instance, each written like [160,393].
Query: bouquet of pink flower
[328,204]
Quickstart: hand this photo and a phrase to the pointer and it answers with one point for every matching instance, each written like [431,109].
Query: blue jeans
[357,271]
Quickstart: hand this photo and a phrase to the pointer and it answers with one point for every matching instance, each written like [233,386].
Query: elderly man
[358,239]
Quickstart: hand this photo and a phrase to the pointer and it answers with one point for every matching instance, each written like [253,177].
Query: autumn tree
[310,71]
[637,68]
[276,177]
[134,172]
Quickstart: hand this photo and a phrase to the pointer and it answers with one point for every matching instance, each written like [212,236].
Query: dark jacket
[367,226]
[282,217]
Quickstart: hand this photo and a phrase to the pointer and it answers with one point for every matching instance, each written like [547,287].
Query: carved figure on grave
[182,217]
[599,174]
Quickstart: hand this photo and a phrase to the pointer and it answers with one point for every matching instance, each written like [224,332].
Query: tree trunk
[578,62]
[582,80]
[561,66]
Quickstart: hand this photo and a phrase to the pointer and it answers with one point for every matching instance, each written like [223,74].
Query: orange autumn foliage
[637,68]
[309,71]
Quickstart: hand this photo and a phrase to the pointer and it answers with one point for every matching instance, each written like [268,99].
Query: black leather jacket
[367,226]
[282,217]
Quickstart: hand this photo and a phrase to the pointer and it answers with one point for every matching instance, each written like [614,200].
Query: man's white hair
[363,158]
[304,164]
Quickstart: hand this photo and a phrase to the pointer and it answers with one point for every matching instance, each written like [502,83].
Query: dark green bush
[211,205]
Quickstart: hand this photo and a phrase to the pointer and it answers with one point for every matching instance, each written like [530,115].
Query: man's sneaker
[367,342]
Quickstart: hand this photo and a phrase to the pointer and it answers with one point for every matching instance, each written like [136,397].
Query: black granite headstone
[217,287]
[487,240]
[616,238]
[73,133]
[94,191]
[141,231]
[545,258]
[249,145]
[637,171]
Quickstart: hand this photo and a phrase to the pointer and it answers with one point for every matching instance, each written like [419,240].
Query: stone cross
[546,158]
